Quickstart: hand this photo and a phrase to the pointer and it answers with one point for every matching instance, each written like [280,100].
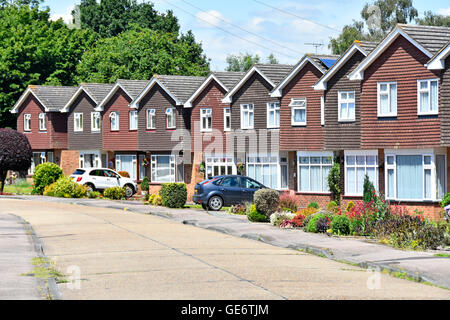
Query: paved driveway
[123,255]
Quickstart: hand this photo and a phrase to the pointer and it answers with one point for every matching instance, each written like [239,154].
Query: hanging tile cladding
[85,140]
[445,104]
[403,63]
[339,136]
[123,140]
[311,136]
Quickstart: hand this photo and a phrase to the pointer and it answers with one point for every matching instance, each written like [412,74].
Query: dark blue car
[221,191]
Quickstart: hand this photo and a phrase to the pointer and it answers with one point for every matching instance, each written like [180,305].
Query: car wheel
[215,203]
[205,207]
[90,187]
[128,192]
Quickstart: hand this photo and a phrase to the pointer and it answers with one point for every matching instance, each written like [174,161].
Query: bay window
[78,122]
[346,102]
[27,122]
[273,115]
[133,120]
[42,122]
[163,168]
[428,98]
[247,116]
[298,109]
[151,119]
[387,99]
[358,164]
[313,171]
[205,120]
[114,120]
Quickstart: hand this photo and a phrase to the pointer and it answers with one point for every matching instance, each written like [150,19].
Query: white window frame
[97,158]
[360,153]
[346,101]
[428,90]
[250,109]
[432,166]
[219,162]
[307,154]
[206,113]
[116,116]
[171,122]
[42,122]
[133,175]
[273,107]
[154,163]
[261,160]
[151,119]
[133,119]
[27,122]
[391,113]
[94,116]
[294,106]
[78,117]
[226,115]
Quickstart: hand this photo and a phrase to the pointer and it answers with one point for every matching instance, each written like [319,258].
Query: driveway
[115,254]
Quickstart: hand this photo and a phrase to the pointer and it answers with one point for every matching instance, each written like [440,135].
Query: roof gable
[438,61]
[130,87]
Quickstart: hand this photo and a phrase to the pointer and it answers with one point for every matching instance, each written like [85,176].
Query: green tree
[334,180]
[349,34]
[368,190]
[111,17]
[241,62]
[139,54]
[272,60]
[431,19]
[35,50]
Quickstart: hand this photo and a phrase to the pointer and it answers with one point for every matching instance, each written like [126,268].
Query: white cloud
[444,12]
[210,19]
[67,16]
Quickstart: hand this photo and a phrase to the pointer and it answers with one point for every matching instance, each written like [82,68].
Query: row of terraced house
[380,109]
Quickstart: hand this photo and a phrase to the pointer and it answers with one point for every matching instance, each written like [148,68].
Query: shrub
[93,194]
[277,218]
[124,174]
[239,209]
[369,192]
[446,200]
[287,224]
[340,225]
[49,190]
[65,187]
[298,221]
[173,195]
[307,212]
[45,174]
[255,216]
[115,193]
[288,201]
[312,223]
[145,184]
[332,207]
[334,180]
[267,201]
[314,205]
[323,224]
[350,205]
[155,200]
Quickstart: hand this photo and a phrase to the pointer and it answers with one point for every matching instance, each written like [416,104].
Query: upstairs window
[346,102]
[151,119]
[428,99]
[298,110]
[227,119]
[78,122]
[114,120]
[247,116]
[133,120]
[206,120]
[273,115]
[95,121]
[27,122]
[387,99]
[42,122]
[170,118]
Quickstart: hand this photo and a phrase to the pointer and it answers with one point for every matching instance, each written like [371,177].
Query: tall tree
[111,17]
[379,18]
[431,19]
[35,50]
[241,62]
[272,60]
[139,54]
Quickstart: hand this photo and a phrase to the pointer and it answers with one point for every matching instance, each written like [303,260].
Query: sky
[256,26]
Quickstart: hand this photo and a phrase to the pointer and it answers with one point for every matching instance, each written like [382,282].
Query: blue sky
[270,30]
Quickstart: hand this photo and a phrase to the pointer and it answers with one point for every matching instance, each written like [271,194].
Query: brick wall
[69,161]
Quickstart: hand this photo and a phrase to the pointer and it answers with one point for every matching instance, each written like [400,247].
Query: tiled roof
[275,72]
[133,87]
[430,37]
[182,87]
[54,98]
[323,61]
[98,91]
[367,46]
[229,79]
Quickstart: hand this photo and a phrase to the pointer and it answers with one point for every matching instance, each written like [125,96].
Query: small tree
[369,190]
[15,153]
[334,181]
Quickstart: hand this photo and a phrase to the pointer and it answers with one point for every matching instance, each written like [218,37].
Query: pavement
[126,250]
[16,253]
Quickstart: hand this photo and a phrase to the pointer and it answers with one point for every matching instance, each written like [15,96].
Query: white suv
[101,179]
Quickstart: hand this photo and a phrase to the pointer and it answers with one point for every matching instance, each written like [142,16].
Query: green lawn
[197,206]
[19,188]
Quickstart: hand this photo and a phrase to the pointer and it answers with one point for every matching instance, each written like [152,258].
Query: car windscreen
[79,172]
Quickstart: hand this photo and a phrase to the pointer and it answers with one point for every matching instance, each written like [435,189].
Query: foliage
[267,201]
[334,180]
[65,187]
[277,218]
[114,193]
[323,224]
[312,223]
[93,194]
[124,174]
[15,151]
[287,224]
[272,60]
[173,195]
[332,207]
[255,216]
[298,221]
[431,19]
[350,205]
[44,175]
[123,57]
[288,201]
[241,62]
[307,212]
[314,205]
[239,209]
[145,184]
[340,225]
[349,34]
[49,191]
[155,199]
[446,200]
[369,192]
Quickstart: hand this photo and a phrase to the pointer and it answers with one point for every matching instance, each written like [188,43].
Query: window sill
[299,125]
[313,193]
[346,121]
[415,201]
